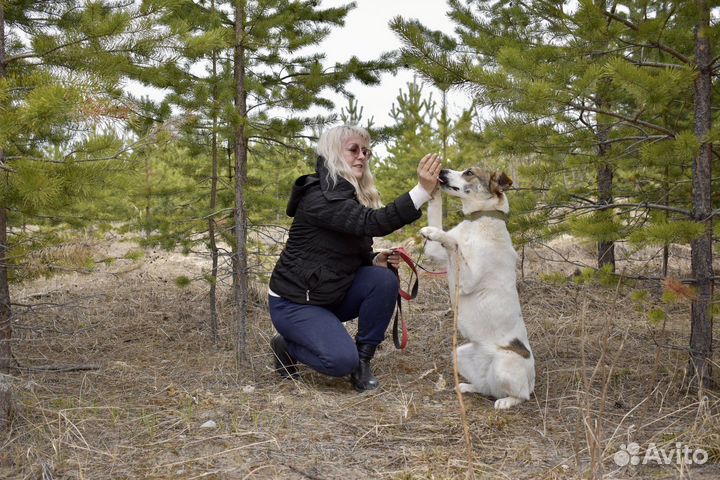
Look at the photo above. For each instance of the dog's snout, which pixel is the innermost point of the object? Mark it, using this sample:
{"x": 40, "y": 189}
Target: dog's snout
{"x": 443, "y": 175}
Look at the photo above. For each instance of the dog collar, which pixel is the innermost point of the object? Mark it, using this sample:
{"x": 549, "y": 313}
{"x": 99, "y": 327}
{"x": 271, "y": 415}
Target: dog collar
{"x": 487, "y": 213}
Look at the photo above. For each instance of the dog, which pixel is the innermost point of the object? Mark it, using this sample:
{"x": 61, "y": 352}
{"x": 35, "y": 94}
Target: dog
{"x": 497, "y": 362}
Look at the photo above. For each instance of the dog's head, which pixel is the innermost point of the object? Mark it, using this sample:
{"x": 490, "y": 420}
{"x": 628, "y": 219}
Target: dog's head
{"x": 478, "y": 189}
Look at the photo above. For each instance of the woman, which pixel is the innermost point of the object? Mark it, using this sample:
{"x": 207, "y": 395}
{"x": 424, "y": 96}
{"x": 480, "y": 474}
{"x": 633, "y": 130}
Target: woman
{"x": 327, "y": 273}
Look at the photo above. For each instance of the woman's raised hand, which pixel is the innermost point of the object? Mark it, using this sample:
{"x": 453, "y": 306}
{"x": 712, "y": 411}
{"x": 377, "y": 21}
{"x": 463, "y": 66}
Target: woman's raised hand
{"x": 429, "y": 171}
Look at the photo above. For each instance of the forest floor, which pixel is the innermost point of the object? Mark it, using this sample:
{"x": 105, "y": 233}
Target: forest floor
{"x": 121, "y": 380}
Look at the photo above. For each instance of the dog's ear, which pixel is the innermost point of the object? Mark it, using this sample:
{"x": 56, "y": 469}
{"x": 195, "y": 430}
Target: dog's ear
{"x": 499, "y": 183}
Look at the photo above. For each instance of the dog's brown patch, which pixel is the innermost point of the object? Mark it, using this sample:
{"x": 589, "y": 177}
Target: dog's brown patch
{"x": 517, "y": 346}
{"x": 494, "y": 182}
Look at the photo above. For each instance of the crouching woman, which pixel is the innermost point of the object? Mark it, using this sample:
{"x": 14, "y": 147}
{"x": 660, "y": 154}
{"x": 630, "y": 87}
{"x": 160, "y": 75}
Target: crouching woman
{"x": 328, "y": 273}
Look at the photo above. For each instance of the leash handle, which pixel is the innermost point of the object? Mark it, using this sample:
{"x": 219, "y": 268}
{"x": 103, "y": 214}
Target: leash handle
{"x": 399, "y": 322}
{"x": 413, "y": 266}
{"x": 400, "y": 342}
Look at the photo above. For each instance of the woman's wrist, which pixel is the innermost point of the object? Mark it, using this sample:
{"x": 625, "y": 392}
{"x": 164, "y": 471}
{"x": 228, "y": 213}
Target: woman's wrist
{"x": 419, "y": 196}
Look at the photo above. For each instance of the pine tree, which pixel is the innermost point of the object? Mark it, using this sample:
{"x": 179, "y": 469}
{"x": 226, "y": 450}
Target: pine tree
{"x": 512, "y": 74}
{"x": 262, "y": 78}
{"x": 352, "y": 114}
{"x": 6, "y": 396}
{"x": 702, "y": 254}
{"x": 60, "y": 65}
{"x": 422, "y": 126}
{"x": 269, "y": 38}
{"x": 240, "y": 273}
{"x": 413, "y": 134}
{"x": 677, "y": 40}
{"x": 598, "y": 97}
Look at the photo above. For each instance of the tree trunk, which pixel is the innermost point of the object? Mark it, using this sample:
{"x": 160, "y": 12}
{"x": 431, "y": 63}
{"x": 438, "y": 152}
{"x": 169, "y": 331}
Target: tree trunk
{"x": 148, "y": 196}
{"x": 606, "y": 248}
{"x": 7, "y": 404}
{"x": 445, "y": 137}
{"x": 666, "y": 202}
{"x": 5, "y": 313}
{"x": 214, "y": 330}
{"x": 229, "y": 150}
{"x": 702, "y": 268}
{"x": 240, "y": 277}
{"x": 6, "y": 394}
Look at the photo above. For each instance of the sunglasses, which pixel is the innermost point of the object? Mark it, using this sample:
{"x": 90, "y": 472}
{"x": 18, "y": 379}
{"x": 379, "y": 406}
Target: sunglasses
{"x": 356, "y": 150}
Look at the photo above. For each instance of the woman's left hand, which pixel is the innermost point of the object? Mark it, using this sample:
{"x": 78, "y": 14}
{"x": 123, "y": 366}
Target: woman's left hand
{"x": 386, "y": 257}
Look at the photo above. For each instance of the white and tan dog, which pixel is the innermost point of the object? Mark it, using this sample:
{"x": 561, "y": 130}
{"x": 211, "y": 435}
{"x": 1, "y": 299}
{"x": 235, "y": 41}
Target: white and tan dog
{"x": 497, "y": 362}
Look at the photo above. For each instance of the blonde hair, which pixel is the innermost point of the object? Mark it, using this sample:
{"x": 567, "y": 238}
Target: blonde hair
{"x": 330, "y": 147}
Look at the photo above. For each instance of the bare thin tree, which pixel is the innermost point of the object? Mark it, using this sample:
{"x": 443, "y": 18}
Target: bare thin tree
{"x": 240, "y": 277}
{"x": 214, "y": 252}
{"x": 702, "y": 256}
{"x": 6, "y": 396}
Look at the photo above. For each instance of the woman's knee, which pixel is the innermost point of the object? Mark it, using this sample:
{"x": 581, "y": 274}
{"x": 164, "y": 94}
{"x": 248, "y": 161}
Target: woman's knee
{"x": 386, "y": 279}
{"x": 341, "y": 363}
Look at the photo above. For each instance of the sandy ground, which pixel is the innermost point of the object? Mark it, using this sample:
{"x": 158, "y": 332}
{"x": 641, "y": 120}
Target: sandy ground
{"x": 148, "y": 395}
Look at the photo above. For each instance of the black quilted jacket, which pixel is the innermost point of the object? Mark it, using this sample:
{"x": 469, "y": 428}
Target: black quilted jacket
{"x": 330, "y": 238}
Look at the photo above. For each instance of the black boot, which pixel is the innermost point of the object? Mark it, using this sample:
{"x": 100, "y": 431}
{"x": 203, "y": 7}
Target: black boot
{"x": 284, "y": 364}
{"x": 362, "y": 378}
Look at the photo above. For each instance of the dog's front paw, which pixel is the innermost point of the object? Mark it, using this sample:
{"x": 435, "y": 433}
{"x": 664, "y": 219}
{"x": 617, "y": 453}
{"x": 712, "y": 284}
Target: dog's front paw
{"x": 431, "y": 233}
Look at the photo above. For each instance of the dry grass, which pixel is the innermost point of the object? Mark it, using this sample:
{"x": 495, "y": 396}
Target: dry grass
{"x": 601, "y": 382}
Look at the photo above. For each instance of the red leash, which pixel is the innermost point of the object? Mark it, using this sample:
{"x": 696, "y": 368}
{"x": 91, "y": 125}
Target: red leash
{"x": 401, "y": 343}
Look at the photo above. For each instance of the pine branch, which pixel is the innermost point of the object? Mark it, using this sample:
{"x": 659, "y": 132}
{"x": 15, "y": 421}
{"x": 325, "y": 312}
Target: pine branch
{"x": 212, "y": 214}
{"x": 57, "y": 218}
{"x": 713, "y": 213}
{"x": 614, "y": 16}
{"x": 636, "y": 138}
{"x": 87, "y": 38}
{"x": 277, "y": 141}
{"x": 658, "y": 45}
{"x": 635, "y": 121}
{"x": 563, "y": 258}
{"x": 113, "y": 156}
{"x": 592, "y": 205}
{"x": 655, "y": 64}
{"x": 27, "y": 55}
{"x": 645, "y": 205}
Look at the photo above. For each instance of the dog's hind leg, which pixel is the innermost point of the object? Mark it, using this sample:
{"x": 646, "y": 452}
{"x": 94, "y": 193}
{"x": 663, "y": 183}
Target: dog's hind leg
{"x": 468, "y": 388}
{"x": 509, "y": 381}
{"x": 472, "y": 367}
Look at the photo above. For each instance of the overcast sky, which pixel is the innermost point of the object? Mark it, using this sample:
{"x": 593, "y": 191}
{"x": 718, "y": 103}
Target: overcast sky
{"x": 366, "y": 34}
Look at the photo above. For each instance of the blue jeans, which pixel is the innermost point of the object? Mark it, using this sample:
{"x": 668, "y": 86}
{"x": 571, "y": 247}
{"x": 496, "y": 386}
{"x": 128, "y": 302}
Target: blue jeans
{"x": 316, "y": 336}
